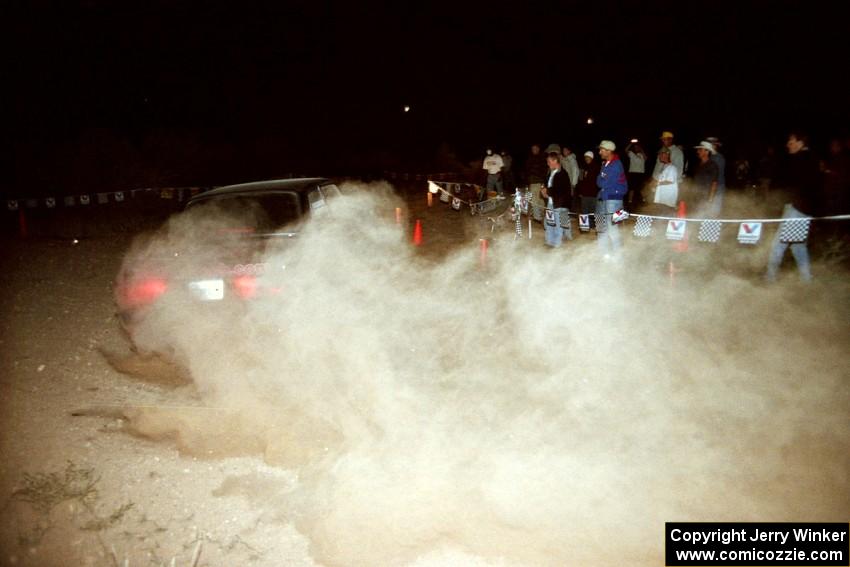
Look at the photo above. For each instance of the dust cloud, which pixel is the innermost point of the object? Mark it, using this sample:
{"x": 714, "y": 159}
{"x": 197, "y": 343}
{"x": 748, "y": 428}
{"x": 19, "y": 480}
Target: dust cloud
{"x": 548, "y": 410}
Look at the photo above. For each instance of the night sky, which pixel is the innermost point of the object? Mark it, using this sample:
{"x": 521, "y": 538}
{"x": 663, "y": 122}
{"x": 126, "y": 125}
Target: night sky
{"x": 269, "y": 86}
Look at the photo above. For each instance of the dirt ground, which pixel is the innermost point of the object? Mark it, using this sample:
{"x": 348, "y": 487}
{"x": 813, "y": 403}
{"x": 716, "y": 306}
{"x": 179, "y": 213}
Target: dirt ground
{"x": 79, "y": 485}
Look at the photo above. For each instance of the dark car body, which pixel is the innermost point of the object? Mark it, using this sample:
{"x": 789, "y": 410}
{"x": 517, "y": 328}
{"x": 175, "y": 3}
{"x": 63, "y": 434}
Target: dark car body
{"x": 222, "y": 235}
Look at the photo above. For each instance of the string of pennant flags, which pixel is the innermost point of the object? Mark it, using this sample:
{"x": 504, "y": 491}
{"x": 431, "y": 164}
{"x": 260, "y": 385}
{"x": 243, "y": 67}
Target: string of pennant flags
{"x": 104, "y": 198}
{"x": 749, "y": 230}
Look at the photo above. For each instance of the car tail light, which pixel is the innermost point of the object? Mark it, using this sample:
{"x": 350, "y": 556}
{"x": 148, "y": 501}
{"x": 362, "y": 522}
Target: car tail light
{"x": 145, "y": 291}
{"x": 245, "y": 286}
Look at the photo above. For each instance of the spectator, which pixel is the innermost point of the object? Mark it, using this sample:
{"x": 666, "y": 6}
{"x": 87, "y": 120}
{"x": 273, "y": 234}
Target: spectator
{"x": 705, "y": 176}
{"x": 612, "y": 189}
{"x": 667, "y": 182}
{"x": 569, "y": 163}
{"x": 535, "y": 173}
{"x": 800, "y": 176}
{"x": 493, "y": 164}
{"x": 677, "y": 157}
{"x": 557, "y": 183}
{"x": 637, "y": 171}
{"x": 586, "y": 187}
{"x": 720, "y": 161}
{"x": 507, "y": 171}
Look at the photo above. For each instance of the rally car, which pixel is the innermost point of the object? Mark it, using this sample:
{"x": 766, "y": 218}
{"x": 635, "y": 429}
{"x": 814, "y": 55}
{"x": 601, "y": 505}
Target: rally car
{"x": 213, "y": 252}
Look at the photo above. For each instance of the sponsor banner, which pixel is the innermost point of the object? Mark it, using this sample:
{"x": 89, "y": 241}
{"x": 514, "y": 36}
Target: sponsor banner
{"x": 749, "y": 232}
{"x": 676, "y": 229}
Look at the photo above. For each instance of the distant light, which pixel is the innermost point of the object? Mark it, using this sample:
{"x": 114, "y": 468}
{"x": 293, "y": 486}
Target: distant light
{"x": 75, "y": 241}
{"x": 406, "y": 108}
{"x": 634, "y": 140}
{"x": 590, "y": 120}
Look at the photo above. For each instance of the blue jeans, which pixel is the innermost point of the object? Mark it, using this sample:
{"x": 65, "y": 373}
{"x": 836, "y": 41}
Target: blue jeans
{"x": 494, "y": 181}
{"x": 799, "y": 250}
{"x": 608, "y": 233}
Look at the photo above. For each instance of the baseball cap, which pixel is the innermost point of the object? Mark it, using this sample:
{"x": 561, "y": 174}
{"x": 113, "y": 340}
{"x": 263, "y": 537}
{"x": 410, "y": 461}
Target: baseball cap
{"x": 608, "y": 145}
{"x": 666, "y": 134}
{"x": 588, "y": 154}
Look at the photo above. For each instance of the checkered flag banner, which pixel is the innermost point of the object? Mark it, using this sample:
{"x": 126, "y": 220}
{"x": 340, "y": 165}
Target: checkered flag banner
{"x": 537, "y": 212}
{"x": 796, "y": 230}
{"x": 709, "y": 231}
{"x": 643, "y": 227}
{"x": 601, "y": 225}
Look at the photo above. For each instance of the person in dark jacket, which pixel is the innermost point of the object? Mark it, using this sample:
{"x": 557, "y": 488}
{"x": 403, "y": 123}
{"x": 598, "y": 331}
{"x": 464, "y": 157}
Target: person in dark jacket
{"x": 557, "y": 183}
{"x": 535, "y": 173}
{"x": 800, "y": 177}
{"x": 586, "y": 187}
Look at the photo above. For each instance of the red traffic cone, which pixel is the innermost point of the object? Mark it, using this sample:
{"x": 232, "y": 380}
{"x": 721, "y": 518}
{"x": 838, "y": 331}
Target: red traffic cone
{"x": 417, "y": 233}
{"x": 682, "y": 245}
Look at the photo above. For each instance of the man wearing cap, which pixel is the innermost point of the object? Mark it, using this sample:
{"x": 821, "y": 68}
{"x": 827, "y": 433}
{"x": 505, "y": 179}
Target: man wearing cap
{"x": 677, "y": 158}
{"x": 706, "y": 174}
{"x": 612, "y": 189}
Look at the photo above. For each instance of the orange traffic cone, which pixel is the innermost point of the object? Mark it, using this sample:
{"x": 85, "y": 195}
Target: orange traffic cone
{"x": 483, "y": 259}
{"x": 682, "y": 245}
{"x": 398, "y": 215}
{"x": 417, "y": 233}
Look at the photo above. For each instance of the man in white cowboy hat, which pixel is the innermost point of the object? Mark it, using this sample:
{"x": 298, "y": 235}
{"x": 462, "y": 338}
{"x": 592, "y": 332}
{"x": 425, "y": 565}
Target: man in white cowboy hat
{"x": 706, "y": 174}
{"x": 612, "y": 189}
{"x": 718, "y": 158}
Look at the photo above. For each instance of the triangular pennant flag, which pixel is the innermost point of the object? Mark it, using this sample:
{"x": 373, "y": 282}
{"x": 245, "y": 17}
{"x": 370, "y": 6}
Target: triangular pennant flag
{"x": 102, "y": 198}
{"x": 584, "y": 223}
{"x": 643, "y": 227}
{"x": 796, "y": 230}
{"x": 84, "y": 199}
{"x": 31, "y": 203}
{"x": 119, "y": 196}
{"x": 50, "y": 202}
{"x": 709, "y": 231}
{"x": 12, "y": 205}
{"x": 676, "y": 229}
{"x": 456, "y": 204}
{"x": 749, "y": 232}
{"x": 69, "y": 201}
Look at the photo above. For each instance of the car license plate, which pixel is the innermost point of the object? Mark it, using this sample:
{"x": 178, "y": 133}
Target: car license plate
{"x": 208, "y": 290}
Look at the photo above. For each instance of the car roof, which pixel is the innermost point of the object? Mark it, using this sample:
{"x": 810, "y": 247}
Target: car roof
{"x": 299, "y": 185}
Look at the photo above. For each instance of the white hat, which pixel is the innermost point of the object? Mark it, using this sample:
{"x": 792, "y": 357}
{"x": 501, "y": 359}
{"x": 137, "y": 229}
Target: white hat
{"x": 608, "y": 145}
{"x": 588, "y": 154}
{"x": 706, "y": 146}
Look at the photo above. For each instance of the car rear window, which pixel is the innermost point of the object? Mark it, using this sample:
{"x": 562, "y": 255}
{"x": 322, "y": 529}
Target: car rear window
{"x": 254, "y": 213}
